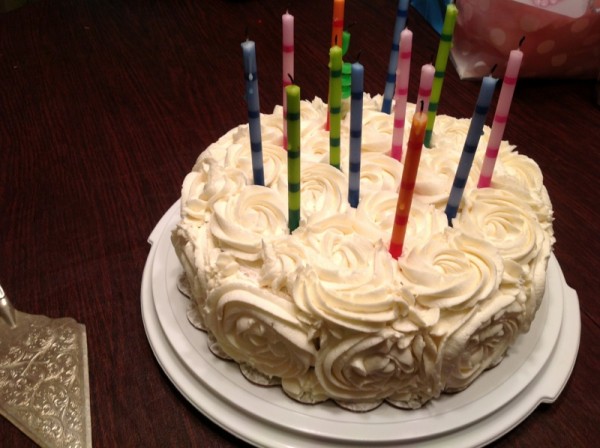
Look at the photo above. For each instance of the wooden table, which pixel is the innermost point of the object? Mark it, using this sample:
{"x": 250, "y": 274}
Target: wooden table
{"x": 105, "y": 107}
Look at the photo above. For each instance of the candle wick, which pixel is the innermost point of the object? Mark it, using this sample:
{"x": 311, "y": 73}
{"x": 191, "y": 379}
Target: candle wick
{"x": 493, "y": 69}
{"x": 422, "y": 105}
{"x": 335, "y": 41}
{"x": 247, "y": 32}
{"x": 291, "y": 78}
{"x": 358, "y": 55}
{"x": 521, "y": 42}
{"x": 350, "y": 26}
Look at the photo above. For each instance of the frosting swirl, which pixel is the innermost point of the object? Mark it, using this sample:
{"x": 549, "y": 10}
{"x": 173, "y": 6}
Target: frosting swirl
{"x": 359, "y": 367}
{"x": 479, "y": 340}
{"x": 503, "y": 219}
{"x": 241, "y": 222}
{"x": 349, "y": 282}
{"x": 260, "y": 329}
{"x": 451, "y": 271}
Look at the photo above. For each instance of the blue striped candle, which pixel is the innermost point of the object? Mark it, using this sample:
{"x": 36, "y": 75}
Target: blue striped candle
{"x": 482, "y": 106}
{"x": 251, "y": 76}
{"x": 356, "y": 112}
{"x": 388, "y": 93}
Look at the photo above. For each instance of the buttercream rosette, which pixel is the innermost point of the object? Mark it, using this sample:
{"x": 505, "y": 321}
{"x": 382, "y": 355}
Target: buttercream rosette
{"x": 240, "y": 223}
{"x": 349, "y": 281}
{"x": 258, "y": 328}
{"x": 451, "y": 270}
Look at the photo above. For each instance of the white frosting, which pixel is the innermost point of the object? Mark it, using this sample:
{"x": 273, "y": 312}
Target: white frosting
{"x": 326, "y": 310}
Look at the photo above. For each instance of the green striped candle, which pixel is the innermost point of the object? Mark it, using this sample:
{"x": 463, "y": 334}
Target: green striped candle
{"x": 335, "y": 104}
{"x": 441, "y": 60}
{"x": 292, "y": 93}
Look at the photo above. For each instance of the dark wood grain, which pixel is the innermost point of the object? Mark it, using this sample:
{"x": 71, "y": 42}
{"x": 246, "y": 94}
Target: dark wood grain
{"x": 106, "y": 105}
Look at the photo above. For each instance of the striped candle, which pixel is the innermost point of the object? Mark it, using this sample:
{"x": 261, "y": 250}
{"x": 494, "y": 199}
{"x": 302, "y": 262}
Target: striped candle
{"x": 407, "y": 185}
{"x": 346, "y": 67}
{"x": 482, "y": 106}
{"x": 402, "y": 75}
{"x": 427, "y": 72}
{"x": 441, "y": 60}
{"x": 500, "y": 118}
{"x": 337, "y": 39}
{"x": 356, "y": 111}
{"x": 335, "y": 104}
{"x": 337, "y": 25}
{"x": 388, "y": 93}
{"x": 293, "y": 122}
{"x": 251, "y": 75}
{"x": 287, "y": 21}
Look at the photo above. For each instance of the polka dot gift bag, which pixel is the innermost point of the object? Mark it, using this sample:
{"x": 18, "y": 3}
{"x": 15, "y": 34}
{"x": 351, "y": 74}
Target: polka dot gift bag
{"x": 562, "y": 37}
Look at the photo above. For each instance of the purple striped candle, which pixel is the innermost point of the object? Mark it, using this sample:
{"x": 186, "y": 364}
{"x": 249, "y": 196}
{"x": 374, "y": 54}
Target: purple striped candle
{"x": 402, "y": 75}
{"x": 500, "y": 118}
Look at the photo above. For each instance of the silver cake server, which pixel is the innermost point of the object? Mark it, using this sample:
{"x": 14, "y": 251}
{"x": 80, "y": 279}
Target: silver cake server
{"x": 44, "y": 382}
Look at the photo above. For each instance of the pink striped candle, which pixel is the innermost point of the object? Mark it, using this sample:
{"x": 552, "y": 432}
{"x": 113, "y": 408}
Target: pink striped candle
{"x": 500, "y": 117}
{"x": 402, "y": 75}
{"x": 287, "y": 21}
{"x": 427, "y": 72}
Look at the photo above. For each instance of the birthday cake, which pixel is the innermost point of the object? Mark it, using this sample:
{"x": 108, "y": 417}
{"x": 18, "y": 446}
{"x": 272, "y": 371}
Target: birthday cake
{"x": 325, "y": 311}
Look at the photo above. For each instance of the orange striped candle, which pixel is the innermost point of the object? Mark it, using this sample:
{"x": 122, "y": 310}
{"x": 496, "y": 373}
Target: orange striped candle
{"x": 337, "y": 25}
{"x": 407, "y": 185}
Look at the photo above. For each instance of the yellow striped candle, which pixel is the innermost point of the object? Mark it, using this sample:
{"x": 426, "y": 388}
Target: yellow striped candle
{"x": 335, "y": 104}
{"x": 292, "y": 93}
{"x": 441, "y": 60}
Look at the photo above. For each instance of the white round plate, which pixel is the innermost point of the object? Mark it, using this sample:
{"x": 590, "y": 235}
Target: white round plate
{"x": 534, "y": 371}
